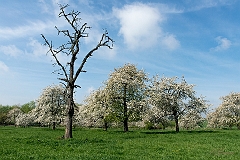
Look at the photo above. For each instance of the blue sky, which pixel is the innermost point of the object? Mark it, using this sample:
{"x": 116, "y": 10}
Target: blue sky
{"x": 199, "y": 40}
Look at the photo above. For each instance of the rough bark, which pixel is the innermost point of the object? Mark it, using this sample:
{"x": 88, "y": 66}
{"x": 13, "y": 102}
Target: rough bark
{"x": 70, "y": 113}
{"x": 176, "y": 120}
{"x": 68, "y": 129}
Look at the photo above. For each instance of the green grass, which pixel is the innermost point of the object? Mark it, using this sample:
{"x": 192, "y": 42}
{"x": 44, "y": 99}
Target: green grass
{"x": 44, "y": 143}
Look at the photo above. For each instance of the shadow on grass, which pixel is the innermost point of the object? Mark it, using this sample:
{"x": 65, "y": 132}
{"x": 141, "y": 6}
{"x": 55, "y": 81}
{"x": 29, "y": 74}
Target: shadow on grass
{"x": 174, "y": 132}
{"x": 119, "y": 132}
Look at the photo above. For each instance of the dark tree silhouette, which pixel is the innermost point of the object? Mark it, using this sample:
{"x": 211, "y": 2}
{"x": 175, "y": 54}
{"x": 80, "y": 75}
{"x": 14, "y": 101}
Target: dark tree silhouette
{"x": 71, "y": 48}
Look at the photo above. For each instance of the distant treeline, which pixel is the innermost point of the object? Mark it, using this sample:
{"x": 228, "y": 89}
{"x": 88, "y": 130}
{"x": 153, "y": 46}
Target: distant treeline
{"x": 5, "y": 109}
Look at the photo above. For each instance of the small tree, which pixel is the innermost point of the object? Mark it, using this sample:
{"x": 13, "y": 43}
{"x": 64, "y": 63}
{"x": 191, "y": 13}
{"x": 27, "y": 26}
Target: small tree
{"x": 51, "y": 106}
{"x": 24, "y": 120}
{"x": 125, "y": 90}
{"x": 154, "y": 117}
{"x": 71, "y": 48}
{"x": 228, "y": 113}
{"x": 175, "y": 98}
{"x": 13, "y": 114}
{"x": 213, "y": 119}
{"x": 4, "y": 118}
{"x": 191, "y": 120}
{"x": 95, "y": 111}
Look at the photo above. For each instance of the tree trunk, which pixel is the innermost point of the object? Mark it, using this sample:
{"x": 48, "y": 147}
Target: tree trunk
{"x": 176, "y": 121}
{"x": 125, "y": 115}
{"x": 68, "y": 129}
{"x": 105, "y": 125}
{"x": 54, "y": 125}
{"x": 70, "y": 113}
{"x": 125, "y": 124}
{"x": 238, "y": 126}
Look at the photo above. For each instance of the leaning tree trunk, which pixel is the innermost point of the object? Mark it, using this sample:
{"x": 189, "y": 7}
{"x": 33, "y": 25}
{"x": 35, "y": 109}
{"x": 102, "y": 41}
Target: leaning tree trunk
{"x": 70, "y": 113}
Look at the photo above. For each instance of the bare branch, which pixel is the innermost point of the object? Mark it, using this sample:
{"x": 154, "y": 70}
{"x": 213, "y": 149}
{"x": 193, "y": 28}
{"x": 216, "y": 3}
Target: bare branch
{"x": 73, "y": 21}
{"x": 72, "y": 48}
{"x": 54, "y": 54}
{"x": 105, "y": 40}
{"x": 77, "y": 86}
{"x": 63, "y": 79}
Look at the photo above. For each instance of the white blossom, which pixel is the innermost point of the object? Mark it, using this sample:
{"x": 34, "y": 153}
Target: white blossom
{"x": 51, "y": 106}
{"x": 227, "y": 114}
{"x": 174, "y": 98}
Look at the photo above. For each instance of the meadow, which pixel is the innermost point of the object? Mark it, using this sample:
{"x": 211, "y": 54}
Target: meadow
{"x": 44, "y": 143}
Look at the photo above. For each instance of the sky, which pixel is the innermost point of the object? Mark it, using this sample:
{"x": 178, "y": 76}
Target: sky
{"x": 199, "y": 40}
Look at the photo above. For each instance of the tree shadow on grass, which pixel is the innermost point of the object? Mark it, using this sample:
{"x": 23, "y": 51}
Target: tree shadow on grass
{"x": 181, "y": 132}
{"x": 120, "y": 132}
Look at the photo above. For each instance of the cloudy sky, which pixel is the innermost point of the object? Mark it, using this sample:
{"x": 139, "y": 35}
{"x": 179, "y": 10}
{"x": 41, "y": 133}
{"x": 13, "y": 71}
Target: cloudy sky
{"x": 199, "y": 40}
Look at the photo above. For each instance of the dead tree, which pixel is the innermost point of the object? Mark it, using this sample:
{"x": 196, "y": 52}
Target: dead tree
{"x": 71, "y": 48}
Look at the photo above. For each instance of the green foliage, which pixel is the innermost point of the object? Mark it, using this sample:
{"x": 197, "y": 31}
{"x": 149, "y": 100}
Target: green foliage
{"x": 171, "y": 124}
{"x": 28, "y": 106}
{"x": 87, "y": 144}
{"x": 149, "y": 125}
{"x": 3, "y": 118}
{"x": 3, "y": 113}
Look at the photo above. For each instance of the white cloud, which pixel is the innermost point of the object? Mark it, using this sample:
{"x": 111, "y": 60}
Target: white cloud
{"x": 40, "y": 52}
{"x": 52, "y": 8}
{"x": 202, "y": 4}
{"x": 3, "y": 67}
{"x": 37, "y": 48}
{"x": 32, "y": 28}
{"x": 223, "y": 43}
{"x": 139, "y": 24}
{"x": 170, "y": 42}
{"x": 11, "y": 50}
{"x": 106, "y": 53}
{"x": 44, "y": 6}
{"x": 164, "y": 8}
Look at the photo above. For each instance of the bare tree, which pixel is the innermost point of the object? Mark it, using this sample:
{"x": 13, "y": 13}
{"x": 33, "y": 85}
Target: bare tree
{"x": 71, "y": 48}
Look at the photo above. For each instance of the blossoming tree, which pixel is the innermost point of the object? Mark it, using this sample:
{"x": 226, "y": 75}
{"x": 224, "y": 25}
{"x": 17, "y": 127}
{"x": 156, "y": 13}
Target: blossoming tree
{"x": 50, "y": 106}
{"x": 125, "y": 90}
{"x": 228, "y": 113}
{"x": 155, "y": 116}
{"x": 175, "y": 98}
{"x": 191, "y": 120}
{"x": 13, "y": 115}
{"x": 95, "y": 112}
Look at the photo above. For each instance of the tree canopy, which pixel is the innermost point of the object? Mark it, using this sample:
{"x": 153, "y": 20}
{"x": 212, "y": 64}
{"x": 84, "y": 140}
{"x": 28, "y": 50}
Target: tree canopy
{"x": 227, "y": 114}
{"x": 51, "y": 106}
{"x": 175, "y": 98}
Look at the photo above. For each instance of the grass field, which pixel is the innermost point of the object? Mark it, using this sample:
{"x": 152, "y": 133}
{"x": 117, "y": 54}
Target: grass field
{"x": 44, "y": 143}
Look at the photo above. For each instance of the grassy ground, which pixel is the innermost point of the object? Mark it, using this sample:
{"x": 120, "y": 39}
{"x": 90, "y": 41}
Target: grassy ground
{"x": 44, "y": 143}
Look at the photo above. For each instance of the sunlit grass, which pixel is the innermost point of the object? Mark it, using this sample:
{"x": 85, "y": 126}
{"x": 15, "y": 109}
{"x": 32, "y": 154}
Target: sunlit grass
{"x": 44, "y": 143}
